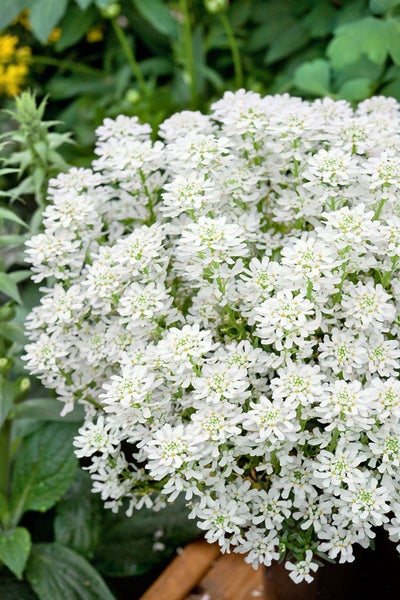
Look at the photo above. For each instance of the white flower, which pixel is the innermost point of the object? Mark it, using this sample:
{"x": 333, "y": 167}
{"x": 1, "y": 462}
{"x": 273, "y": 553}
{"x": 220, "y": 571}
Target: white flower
{"x": 302, "y": 570}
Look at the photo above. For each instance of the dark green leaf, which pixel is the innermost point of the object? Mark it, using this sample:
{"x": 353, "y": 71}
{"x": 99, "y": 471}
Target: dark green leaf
{"x": 393, "y": 26}
{"x": 44, "y": 16}
{"x": 8, "y": 215}
{"x": 11, "y": 9}
{"x": 314, "y": 77}
{"x": 126, "y": 544}
{"x": 9, "y": 288}
{"x": 158, "y": 15}
{"x": 291, "y": 40}
{"x": 46, "y": 409}
{"x": 379, "y": 7}
{"x": 62, "y": 88}
{"x": 78, "y": 518}
{"x": 74, "y": 26}
{"x": 15, "y": 546}
{"x": 44, "y": 467}
{"x": 7, "y": 395}
{"x": 58, "y": 573}
{"x": 12, "y": 589}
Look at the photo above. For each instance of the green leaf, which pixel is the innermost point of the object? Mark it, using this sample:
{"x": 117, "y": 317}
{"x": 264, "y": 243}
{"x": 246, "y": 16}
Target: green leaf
{"x": 15, "y": 546}
{"x": 75, "y": 24}
{"x": 9, "y": 288}
{"x": 10, "y": 9}
{"x": 8, "y": 215}
{"x": 57, "y": 572}
{"x": 126, "y": 544}
{"x": 11, "y": 240}
{"x": 314, "y": 77}
{"x": 356, "y": 89}
{"x": 7, "y": 395}
{"x": 394, "y": 39}
{"x": 13, "y": 333}
{"x": 290, "y": 40}
{"x": 20, "y": 275}
{"x": 378, "y": 7}
{"x": 46, "y": 409}
{"x": 44, "y": 16}
{"x": 78, "y": 516}
{"x": 157, "y": 14}
{"x": 44, "y": 467}
{"x": 367, "y": 36}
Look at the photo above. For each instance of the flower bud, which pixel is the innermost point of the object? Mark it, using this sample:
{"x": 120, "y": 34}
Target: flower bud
{"x": 132, "y": 96}
{"x": 111, "y": 11}
{"x": 7, "y": 312}
{"x": 24, "y": 385}
{"x": 215, "y": 7}
{"x": 5, "y": 365}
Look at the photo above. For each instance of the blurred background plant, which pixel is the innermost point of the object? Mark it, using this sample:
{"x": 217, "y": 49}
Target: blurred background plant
{"x": 98, "y": 58}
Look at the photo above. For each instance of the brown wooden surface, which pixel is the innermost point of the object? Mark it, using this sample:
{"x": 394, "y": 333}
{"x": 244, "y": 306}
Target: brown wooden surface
{"x": 184, "y": 572}
{"x": 200, "y": 572}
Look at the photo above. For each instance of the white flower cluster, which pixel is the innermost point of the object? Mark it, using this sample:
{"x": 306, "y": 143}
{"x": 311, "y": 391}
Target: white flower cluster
{"x": 224, "y": 303}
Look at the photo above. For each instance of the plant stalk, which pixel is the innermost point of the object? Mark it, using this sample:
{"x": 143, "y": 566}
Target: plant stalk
{"x": 129, "y": 55}
{"x": 237, "y": 63}
{"x": 188, "y": 46}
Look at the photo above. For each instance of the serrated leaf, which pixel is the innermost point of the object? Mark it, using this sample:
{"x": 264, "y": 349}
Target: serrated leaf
{"x": 314, "y": 77}
{"x": 10, "y": 9}
{"x": 355, "y": 89}
{"x": 44, "y": 467}
{"x": 8, "y": 215}
{"x": 44, "y": 16}
{"x": 78, "y": 516}
{"x": 157, "y": 14}
{"x": 9, "y": 288}
{"x": 57, "y": 572}
{"x": 15, "y": 546}
{"x": 126, "y": 544}
{"x": 367, "y": 36}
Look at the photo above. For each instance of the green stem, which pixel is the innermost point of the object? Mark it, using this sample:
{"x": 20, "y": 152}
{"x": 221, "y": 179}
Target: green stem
{"x": 126, "y": 47}
{"x": 66, "y": 64}
{"x": 5, "y": 442}
{"x": 188, "y": 46}
{"x": 237, "y": 63}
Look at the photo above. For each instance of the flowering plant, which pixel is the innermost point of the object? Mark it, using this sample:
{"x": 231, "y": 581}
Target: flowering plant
{"x": 223, "y": 304}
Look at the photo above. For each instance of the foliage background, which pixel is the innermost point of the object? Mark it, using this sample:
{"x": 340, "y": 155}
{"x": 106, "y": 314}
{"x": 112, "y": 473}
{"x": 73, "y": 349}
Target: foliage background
{"x": 150, "y": 58}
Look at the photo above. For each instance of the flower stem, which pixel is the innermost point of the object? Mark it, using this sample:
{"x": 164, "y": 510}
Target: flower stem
{"x": 66, "y": 64}
{"x": 129, "y": 55}
{"x": 5, "y": 436}
{"x": 237, "y": 63}
{"x": 188, "y": 47}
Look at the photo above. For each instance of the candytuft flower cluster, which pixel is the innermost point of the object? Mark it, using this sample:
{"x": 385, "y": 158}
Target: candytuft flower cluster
{"x": 224, "y": 304}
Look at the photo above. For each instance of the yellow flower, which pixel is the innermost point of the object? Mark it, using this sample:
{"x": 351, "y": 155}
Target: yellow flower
{"x": 13, "y": 64}
{"x": 12, "y": 78}
{"x": 7, "y": 47}
{"x": 95, "y": 34}
{"x": 23, "y": 19}
{"x": 54, "y": 35}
